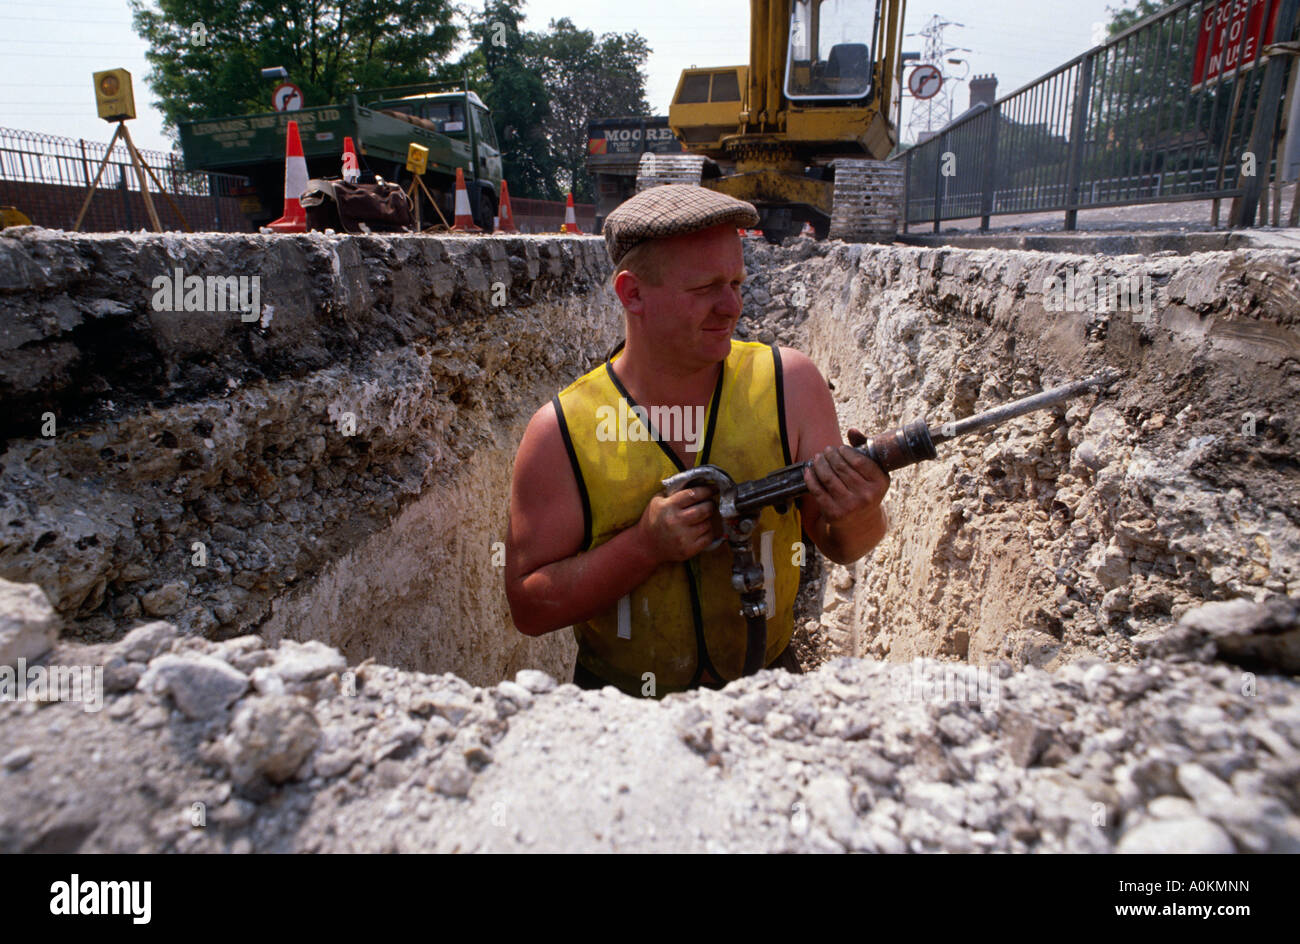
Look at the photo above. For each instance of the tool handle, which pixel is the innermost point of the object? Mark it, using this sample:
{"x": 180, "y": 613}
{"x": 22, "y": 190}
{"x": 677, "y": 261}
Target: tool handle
{"x": 907, "y": 445}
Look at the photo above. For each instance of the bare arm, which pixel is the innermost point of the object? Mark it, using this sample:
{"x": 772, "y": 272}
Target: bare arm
{"x": 843, "y": 512}
{"x": 550, "y": 583}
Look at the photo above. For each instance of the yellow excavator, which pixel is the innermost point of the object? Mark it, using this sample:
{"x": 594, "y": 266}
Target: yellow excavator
{"x": 803, "y": 130}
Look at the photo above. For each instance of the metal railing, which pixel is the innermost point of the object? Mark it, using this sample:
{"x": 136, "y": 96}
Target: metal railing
{"x": 1183, "y": 105}
{"x": 41, "y": 174}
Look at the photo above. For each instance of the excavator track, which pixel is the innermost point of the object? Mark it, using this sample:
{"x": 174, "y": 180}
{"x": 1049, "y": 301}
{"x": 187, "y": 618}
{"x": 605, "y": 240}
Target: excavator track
{"x": 867, "y": 201}
{"x": 657, "y": 169}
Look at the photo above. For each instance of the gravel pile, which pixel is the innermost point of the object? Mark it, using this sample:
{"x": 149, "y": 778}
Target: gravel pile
{"x": 237, "y": 746}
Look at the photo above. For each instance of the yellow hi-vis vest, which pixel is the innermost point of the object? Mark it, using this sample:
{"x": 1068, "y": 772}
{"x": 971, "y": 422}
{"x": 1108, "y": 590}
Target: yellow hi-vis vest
{"x": 686, "y": 617}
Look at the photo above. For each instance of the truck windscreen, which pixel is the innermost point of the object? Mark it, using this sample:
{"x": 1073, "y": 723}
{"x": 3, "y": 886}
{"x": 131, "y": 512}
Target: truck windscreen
{"x": 445, "y": 117}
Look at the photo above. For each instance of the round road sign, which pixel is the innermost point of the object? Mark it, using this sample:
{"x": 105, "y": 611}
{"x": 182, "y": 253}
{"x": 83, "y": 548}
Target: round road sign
{"x": 925, "y": 81}
{"x": 286, "y": 97}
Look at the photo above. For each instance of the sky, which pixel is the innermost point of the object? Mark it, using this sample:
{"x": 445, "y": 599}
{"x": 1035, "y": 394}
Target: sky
{"x": 48, "y": 50}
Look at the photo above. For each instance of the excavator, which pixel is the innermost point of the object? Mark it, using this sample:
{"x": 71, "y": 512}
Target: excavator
{"x": 802, "y": 131}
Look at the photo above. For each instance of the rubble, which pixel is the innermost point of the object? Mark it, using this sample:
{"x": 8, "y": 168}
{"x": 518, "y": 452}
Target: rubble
{"x": 1089, "y": 615}
{"x": 857, "y": 756}
{"x": 29, "y": 626}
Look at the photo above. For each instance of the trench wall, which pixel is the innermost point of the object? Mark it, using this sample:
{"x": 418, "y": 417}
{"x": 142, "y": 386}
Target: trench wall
{"x": 335, "y": 469}
{"x": 1084, "y": 529}
{"x": 1078, "y": 530}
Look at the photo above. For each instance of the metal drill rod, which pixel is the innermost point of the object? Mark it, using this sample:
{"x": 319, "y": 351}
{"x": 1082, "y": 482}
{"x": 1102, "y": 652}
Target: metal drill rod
{"x": 740, "y": 502}
{"x": 1000, "y": 414}
{"x": 908, "y": 444}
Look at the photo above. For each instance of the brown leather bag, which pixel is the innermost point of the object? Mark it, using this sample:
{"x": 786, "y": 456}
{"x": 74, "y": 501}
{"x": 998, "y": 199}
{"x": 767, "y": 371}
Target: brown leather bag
{"x": 381, "y": 207}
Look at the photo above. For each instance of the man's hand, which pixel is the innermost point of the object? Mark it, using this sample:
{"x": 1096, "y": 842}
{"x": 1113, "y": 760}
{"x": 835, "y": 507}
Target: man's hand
{"x": 848, "y": 486}
{"x": 679, "y": 526}
{"x": 847, "y": 516}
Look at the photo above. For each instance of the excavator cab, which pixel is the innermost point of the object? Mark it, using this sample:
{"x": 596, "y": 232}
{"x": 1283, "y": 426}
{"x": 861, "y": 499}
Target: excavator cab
{"x": 803, "y": 130}
{"x": 829, "y": 55}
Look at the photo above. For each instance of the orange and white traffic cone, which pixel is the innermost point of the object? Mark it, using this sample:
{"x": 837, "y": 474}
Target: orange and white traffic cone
{"x": 351, "y": 168}
{"x": 464, "y": 222}
{"x": 295, "y": 182}
{"x": 505, "y": 215}
{"x": 570, "y": 218}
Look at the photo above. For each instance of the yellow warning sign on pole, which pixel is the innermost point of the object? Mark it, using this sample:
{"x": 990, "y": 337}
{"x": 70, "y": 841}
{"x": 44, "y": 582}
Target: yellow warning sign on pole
{"x": 113, "y": 95}
{"x": 417, "y": 158}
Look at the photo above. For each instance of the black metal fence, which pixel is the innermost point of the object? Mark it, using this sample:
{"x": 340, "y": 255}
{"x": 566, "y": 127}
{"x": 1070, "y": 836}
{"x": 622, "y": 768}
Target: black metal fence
{"x": 46, "y": 177}
{"x": 1184, "y": 105}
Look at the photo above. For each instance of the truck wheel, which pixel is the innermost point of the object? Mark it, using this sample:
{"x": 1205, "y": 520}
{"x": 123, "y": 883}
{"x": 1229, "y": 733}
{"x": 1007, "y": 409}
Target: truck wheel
{"x": 486, "y": 210}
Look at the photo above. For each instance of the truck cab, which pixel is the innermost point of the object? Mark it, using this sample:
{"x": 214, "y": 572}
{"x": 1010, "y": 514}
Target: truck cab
{"x": 444, "y": 113}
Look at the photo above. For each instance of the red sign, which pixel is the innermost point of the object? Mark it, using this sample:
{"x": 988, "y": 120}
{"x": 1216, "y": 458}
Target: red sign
{"x": 286, "y": 97}
{"x": 925, "y": 81}
{"x": 1230, "y": 35}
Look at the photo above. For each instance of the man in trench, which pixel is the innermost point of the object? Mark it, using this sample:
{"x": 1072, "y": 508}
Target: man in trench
{"x": 594, "y": 543}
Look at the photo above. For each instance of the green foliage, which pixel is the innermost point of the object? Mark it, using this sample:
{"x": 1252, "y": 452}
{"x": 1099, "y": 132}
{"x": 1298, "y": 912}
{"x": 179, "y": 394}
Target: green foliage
{"x": 1121, "y": 18}
{"x": 587, "y": 77}
{"x": 329, "y": 47}
{"x": 500, "y": 67}
{"x": 543, "y": 88}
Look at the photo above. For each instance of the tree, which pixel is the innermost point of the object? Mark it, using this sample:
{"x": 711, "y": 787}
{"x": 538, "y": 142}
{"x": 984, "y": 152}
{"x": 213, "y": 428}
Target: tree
{"x": 513, "y": 90}
{"x": 587, "y": 78}
{"x": 1121, "y": 18}
{"x": 543, "y": 88}
{"x": 207, "y": 55}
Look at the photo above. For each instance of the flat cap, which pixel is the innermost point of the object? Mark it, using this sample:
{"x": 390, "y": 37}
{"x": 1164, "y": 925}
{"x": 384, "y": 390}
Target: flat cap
{"x": 672, "y": 210}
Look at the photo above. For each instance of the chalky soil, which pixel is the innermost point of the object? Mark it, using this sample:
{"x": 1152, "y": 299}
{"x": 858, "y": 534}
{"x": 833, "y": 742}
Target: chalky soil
{"x": 1079, "y": 635}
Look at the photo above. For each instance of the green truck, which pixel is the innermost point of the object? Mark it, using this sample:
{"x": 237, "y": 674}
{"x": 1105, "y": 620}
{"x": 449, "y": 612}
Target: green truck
{"x": 382, "y": 123}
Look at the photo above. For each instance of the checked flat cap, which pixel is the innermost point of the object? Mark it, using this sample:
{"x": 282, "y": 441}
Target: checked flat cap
{"x": 672, "y": 210}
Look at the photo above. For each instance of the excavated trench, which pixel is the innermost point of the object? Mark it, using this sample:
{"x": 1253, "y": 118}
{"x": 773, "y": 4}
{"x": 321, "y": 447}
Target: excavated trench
{"x": 336, "y": 466}
{"x": 206, "y": 504}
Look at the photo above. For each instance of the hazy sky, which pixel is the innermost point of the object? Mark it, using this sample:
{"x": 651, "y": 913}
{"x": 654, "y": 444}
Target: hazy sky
{"x": 49, "y": 49}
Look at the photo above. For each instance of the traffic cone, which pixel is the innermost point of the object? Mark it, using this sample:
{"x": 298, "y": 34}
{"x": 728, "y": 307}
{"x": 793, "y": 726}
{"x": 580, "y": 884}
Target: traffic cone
{"x": 570, "y": 218}
{"x": 506, "y": 218}
{"x": 464, "y": 222}
{"x": 295, "y": 182}
{"x": 351, "y": 168}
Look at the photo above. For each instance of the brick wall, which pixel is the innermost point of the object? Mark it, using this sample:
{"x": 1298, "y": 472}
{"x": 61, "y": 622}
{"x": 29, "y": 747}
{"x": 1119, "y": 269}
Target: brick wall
{"x": 55, "y": 206}
{"x": 547, "y": 216}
